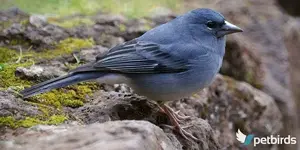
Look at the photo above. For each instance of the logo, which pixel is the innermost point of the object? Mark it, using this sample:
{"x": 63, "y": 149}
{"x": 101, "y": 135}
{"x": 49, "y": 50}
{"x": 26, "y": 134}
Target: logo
{"x": 246, "y": 140}
{"x": 272, "y": 139}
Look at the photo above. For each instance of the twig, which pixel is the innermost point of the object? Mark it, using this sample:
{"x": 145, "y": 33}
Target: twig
{"x": 76, "y": 58}
{"x": 20, "y": 57}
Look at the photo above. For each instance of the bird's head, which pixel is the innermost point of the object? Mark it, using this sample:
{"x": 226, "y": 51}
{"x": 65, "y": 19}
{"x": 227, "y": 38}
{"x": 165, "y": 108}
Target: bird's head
{"x": 212, "y": 22}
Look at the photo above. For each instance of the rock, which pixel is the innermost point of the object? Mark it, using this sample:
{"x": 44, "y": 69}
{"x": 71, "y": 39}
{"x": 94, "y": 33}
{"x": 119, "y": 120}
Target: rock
{"x": 292, "y": 40}
{"x": 135, "y": 28}
{"x": 16, "y": 107}
{"x": 108, "y": 19}
{"x": 242, "y": 64}
{"x": 38, "y": 20}
{"x": 108, "y": 40}
{"x": 229, "y": 105}
{"x": 113, "y": 135}
{"x": 89, "y": 55}
{"x": 106, "y": 106}
{"x": 13, "y": 109}
{"x": 263, "y": 42}
{"x": 216, "y": 113}
{"x": 12, "y": 14}
{"x": 54, "y": 68}
{"x": 290, "y": 6}
{"x": 39, "y": 73}
{"x": 39, "y": 37}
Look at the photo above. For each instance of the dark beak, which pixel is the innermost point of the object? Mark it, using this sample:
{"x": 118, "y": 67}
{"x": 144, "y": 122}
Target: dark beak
{"x": 228, "y": 28}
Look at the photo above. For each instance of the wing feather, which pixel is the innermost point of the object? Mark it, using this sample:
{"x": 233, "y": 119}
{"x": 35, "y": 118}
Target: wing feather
{"x": 140, "y": 57}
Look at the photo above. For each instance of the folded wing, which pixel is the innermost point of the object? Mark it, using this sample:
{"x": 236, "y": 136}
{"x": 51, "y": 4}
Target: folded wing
{"x": 140, "y": 57}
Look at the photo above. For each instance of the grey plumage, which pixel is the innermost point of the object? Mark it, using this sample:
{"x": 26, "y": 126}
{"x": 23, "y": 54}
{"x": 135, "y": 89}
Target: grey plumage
{"x": 168, "y": 62}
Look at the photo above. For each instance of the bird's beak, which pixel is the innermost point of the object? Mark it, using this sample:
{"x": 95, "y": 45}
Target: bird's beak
{"x": 228, "y": 28}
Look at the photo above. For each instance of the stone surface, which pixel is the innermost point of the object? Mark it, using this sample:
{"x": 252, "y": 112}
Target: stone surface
{"x": 292, "y": 41}
{"x": 290, "y": 6}
{"x": 10, "y": 105}
{"x": 227, "y": 105}
{"x": 112, "y": 135}
{"x": 216, "y": 113}
{"x": 263, "y": 41}
{"x": 41, "y": 73}
{"x": 88, "y": 55}
{"x": 106, "y": 106}
{"x": 264, "y": 26}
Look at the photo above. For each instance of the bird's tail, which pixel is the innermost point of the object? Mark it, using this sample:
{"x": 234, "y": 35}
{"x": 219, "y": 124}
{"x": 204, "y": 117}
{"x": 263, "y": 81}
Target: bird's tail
{"x": 59, "y": 82}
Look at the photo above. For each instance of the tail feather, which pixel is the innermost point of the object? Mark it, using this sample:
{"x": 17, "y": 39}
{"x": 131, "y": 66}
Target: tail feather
{"x": 59, "y": 82}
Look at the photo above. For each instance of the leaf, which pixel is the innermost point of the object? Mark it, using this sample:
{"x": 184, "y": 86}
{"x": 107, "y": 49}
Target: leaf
{"x": 1, "y": 67}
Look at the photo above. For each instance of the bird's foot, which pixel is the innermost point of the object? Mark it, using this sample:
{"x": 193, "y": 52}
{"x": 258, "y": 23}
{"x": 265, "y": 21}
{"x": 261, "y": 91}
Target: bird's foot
{"x": 176, "y": 114}
{"x": 175, "y": 118}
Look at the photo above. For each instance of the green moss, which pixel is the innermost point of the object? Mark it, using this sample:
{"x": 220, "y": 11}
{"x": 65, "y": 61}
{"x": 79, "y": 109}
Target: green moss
{"x": 7, "y": 54}
{"x": 138, "y": 8}
{"x": 122, "y": 27}
{"x": 8, "y": 68}
{"x": 17, "y": 42}
{"x": 49, "y": 103}
{"x": 29, "y": 121}
{"x": 71, "y": 96}
{"x": 232, "y": 87}
{"x": 131, "y": 8}
{"x": 72, "y": 103}
{"x": 66, "y": 47}
{"x": 8, "y": 121}
{"x": 1, "y": 67}
{"x": 56, "y": 119}
{"x": 253, "y": 79}
{"x": 148, "y": 26}
{"x": 25, "y": 22}
{"x": 8, "y": 77}
{"x": 69, "y": 23}
{"x": 231, "y": 84}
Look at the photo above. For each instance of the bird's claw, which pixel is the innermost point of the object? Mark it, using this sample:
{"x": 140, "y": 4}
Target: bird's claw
{"x": 176, "y": 114}
{"x": 181, "y": 117}
{"x": 176, "y": 118}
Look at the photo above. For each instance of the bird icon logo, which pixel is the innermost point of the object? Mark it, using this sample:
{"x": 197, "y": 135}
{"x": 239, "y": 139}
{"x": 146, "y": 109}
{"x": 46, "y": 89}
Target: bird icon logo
{"x": 241, "y": 137}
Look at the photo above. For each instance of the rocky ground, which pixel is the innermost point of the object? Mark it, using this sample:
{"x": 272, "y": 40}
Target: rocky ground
{"x": 252, "y": 94}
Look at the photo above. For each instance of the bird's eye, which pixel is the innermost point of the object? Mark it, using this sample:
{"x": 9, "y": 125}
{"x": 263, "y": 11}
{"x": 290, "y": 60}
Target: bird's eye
{"x": 211, "y": 24}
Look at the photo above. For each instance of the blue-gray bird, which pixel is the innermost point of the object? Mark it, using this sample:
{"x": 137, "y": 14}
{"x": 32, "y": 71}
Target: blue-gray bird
{"x": 167, "y": 63}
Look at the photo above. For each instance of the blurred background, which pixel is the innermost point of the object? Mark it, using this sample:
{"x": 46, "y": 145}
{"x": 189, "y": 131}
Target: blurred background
{"x": 265, "y": 56}
{"x": 129, "y": 8}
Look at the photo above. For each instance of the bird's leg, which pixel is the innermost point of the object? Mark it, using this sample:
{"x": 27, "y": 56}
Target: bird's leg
{"x": 176, "y": 113}
{"x": 175, "y": 122}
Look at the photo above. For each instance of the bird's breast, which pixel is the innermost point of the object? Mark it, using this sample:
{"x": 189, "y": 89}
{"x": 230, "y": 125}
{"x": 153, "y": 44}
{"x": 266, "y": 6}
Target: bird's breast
{"x": 172, "y": 86}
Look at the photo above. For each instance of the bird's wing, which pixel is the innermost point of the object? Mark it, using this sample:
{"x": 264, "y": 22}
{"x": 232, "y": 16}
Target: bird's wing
{"x": 139, "y": 57}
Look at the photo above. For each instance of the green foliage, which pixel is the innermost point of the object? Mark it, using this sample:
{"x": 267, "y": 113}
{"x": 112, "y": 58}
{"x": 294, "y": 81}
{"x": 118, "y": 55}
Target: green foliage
{"x": 29, "y": 121}
{"x": 7, "y": 54}
{"x": 8, "y": 77}
{"x": 69, "y": 23}
{"x": 130, "y": 8}
{"x": 8, "y": 121}
{"x": 66, "y": 47}
{"x": 72, "y": 96}
{"x": 138, "y": 8}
